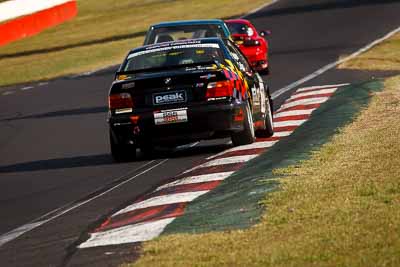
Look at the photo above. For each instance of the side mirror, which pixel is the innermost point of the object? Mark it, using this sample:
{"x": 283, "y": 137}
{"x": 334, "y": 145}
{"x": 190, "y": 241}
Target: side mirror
{"x": 265, "y": 33}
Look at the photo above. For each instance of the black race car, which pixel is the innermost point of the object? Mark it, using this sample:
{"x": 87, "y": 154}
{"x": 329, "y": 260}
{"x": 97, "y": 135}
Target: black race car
{"x": 173, "y": 93}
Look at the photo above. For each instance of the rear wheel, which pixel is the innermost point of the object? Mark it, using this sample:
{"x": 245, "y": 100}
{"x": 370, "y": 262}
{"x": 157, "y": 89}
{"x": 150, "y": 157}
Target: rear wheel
{"x": 121, "y": 152}
{"x": 147, "y": 150}
{"x": 264, "y": 71}
{"x": 268, "y": 129}
{"x": 247, "y": 136}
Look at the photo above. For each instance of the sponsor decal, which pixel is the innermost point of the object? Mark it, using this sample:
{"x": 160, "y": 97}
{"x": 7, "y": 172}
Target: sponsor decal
{"x": 199, "y": 85}
{"x": 169, "y": 98}
{"x": 170, "y": 116}
{"x": 209, "y": 76}
{"x": 175, "y": 46}
{"x": 128, "y": 85}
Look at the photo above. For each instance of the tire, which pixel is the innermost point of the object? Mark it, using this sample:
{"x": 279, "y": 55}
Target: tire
{"x": 247, "y": 136}
{"x": 121, "y": 152}
{"x": 264, "y": 71}
{"x": 268, "y": 129}
{"x": 147, "y": 150}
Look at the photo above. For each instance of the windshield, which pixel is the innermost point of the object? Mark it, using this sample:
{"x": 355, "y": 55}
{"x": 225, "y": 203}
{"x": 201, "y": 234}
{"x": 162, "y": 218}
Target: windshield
{"x": 174, "y": 33}
{"x": 239, "y": 28}
{"x": 171, "y": 56}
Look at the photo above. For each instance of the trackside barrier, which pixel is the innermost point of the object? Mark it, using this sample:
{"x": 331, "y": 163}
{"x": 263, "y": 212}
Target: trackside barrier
{"x": 34, "y": 23}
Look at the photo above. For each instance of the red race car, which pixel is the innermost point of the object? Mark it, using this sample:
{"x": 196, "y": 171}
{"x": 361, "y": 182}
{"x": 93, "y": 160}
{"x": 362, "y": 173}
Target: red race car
{"x": 252, "y": 44}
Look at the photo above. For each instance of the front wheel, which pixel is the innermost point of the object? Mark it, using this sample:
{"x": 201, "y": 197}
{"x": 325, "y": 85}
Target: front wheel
{"x": 147, "y": 149}
{"x": 247, "y": 136}
{"x": 264, "y": 71}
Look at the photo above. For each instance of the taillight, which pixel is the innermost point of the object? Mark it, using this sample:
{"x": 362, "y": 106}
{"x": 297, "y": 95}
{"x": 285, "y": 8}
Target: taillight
{"x": 120, "y": 101}
{"x": 219, "y": 89}
{"x": 251, "y": 42}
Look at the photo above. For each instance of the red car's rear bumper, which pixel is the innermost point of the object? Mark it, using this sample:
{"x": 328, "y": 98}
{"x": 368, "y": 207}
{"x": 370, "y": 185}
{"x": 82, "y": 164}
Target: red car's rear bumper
{"x": 256, "y": 56}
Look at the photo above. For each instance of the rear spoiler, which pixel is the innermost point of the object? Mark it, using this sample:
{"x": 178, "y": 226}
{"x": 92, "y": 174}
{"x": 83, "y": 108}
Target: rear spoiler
{"x": 169, "y": 67}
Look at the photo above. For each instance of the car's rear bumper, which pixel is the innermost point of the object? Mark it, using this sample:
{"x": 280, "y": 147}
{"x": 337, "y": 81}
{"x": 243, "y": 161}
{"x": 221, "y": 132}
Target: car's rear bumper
{"x": 254, "y": 53}
{"x": 203, "y": 122}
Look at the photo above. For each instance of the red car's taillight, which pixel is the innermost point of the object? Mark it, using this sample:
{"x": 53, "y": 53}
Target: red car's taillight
{"x": 251, "y": 42}
{"x": 120, "y": 101}
{"x": 219, "y": 89}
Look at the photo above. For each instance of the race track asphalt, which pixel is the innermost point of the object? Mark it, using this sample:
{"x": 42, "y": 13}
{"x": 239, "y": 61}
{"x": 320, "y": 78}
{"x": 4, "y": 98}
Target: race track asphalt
{"x": 54, "y": 139}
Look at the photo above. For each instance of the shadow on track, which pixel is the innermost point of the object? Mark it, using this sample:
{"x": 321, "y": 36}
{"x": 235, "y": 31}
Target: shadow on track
{"x": 323, "y": 49}
{"x": 61, "y": 113}
{"x": 105, "y": 159}
{"x": 58, "y": 163}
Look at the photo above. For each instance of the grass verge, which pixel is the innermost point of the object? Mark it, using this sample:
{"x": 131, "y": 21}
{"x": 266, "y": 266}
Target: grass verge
{"x": 341, "y": 207}
{"x": 101, "y": 35}
{"x": 385, "y": 56}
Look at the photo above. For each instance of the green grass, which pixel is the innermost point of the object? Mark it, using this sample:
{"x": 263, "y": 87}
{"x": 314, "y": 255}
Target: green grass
{"x": 101, "y": 35}
{"x": 385, "y": 56}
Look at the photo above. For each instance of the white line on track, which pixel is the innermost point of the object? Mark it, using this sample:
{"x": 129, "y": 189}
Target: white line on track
{"x": 26, "y": 88}
{"x": 332, "y": 65}
{"x": 293, "y": 113}
{"x": 4, "y": 238}
{"x": 162, "y": 200}
{"x": 197, "y": 179}
{"x": 19, "y": 231}
{"x": 8, "y": 93}
{"x": 127, "y": 234}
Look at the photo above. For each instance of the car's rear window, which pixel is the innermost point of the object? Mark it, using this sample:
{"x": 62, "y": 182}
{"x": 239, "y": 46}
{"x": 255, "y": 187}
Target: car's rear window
{"x": 173, "y": 55}
{"x": 239, "y": 28}
{"x": 174, "y": 33}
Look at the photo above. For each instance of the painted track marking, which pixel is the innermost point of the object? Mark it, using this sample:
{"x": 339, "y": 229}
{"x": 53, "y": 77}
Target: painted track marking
{"x": 197, "y": 179}
{"x": 263, "y": 144}
{"x": 293, "y": 113}
{"x": 127, "y": 234}
{"x": 289, "y": 123}
{"x": 309, "y": 101}
{"x": 319, "y": 92}
{"x": 26, "y": 88}
{"x": 8, "y": 93}
{"x": 162, "y": 200}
